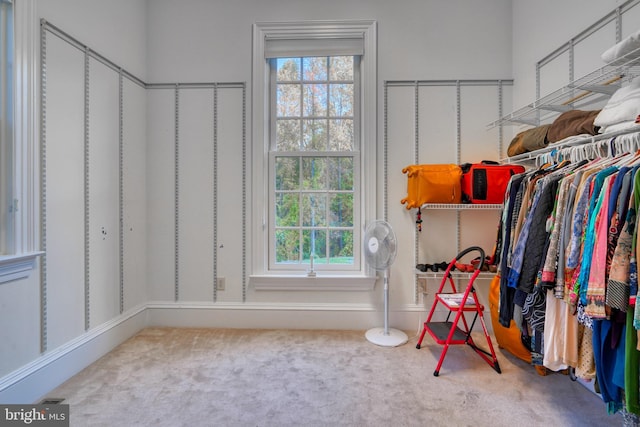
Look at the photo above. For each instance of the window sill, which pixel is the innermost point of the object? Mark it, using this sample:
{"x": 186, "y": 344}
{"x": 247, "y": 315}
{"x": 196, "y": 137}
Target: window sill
{"x": 317, "y": 283}
{"x": 14, "y": 267}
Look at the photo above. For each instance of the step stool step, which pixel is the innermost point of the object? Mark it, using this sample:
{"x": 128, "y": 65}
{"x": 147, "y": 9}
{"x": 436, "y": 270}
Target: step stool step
{"x": 439, "y": 331}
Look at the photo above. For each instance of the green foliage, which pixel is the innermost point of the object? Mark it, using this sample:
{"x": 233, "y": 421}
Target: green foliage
{"x": 314, "y": 194}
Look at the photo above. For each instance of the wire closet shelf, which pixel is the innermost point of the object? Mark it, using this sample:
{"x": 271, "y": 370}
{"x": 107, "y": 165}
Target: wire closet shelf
{"x": 596, "y": 86}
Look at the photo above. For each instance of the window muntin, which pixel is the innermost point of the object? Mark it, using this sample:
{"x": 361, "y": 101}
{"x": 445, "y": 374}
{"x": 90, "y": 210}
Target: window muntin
{"x": 314, "y": 163}
{"x": 6, "y": 127}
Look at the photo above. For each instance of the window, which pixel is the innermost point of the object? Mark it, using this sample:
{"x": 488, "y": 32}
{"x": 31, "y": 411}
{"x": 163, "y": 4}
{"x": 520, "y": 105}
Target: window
{"x": 313, "y": 163}
{"x": 6, "y": 127}
{"x": 314, "y": 129}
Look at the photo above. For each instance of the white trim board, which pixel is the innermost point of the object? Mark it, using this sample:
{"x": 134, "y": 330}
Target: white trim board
{"x": 267, "y": 315}
{"x": 34, "y": 380}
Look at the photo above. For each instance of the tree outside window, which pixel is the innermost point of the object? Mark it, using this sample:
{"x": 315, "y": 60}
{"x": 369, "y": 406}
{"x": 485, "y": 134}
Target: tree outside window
{"x": 313, "y": 149}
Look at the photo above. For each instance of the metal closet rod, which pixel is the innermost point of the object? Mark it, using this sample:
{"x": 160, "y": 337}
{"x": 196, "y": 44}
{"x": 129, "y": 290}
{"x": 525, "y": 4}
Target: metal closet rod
{"x": 115, "y": 67}
{"x": 461, "y": 82}
{"x": 532, "y": 155}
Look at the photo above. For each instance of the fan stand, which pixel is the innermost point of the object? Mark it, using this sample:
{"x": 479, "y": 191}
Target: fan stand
{"x": 386, "y": 337}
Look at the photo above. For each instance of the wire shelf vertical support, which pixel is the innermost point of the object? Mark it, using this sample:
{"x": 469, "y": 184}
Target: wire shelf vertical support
{"x": 215, "y": 192}
{"x": 176, "y": 186}
{"x": 87, "y": 194}
{"x": 121, "y": 186}
{"x": 244, "y": 193}
{"x": 416, "y": 160}
{"x": 384, "y": 154}
{"x": 458, "y": 153}
{"x": 43, "y": 186}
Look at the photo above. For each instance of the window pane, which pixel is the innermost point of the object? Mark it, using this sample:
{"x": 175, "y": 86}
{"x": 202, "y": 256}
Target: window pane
{"x": 340, "y": 173}
{"x": 315, "y": 100}
{"x": 313, "y": 193}
{"x": 314, "y": 171}
{"x": 314, "y": 208}
{"x": 288, "y": 69}
{"x": 341, "y": 68}
{"x": 341, "y": 247}
{"x": 341, "y": 210}
{"x": 287, "y": 210}
{"x": 315, "y": 68}
{"x": 314, "y": 241}
{"x": 288, "y": 135}
{"x": 288, "y": 99}
{"x": 287, "y": 173}
{"x": 341, "y": 100}
{"x": 314, "y": 135}
{"x": 287, "y": 246}
{"x": 341, "y": 135}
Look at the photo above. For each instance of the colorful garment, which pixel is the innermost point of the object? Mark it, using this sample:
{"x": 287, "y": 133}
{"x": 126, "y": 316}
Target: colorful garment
{"x": 596, "y": 289}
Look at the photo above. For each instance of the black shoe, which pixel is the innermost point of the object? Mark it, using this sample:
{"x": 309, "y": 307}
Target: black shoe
{"x": 423, "y": 267}
{"x": 441, "y": 266}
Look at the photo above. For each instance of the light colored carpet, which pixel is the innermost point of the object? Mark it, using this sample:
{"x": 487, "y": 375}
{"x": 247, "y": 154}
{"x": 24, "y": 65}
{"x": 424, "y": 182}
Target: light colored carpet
{"x": 226, "y": 377}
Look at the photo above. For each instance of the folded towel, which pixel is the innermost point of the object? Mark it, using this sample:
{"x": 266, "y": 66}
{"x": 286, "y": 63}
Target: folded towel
{"x": 614, "y": 54}
{"x": 623, "y": 106}
{"x": 619, "y": 127}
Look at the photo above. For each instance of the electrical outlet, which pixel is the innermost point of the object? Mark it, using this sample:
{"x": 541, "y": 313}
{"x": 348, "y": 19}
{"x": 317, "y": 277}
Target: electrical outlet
{"x": 220, "y": 283}
{"x": 422, "y": 285}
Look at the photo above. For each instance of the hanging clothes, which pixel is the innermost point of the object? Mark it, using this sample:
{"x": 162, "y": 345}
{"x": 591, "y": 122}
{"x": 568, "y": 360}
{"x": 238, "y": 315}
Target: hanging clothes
{"x": 567, "y": 258}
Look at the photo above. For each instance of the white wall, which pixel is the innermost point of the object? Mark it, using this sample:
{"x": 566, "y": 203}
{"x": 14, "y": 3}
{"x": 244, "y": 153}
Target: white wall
{"x": 198, "y": 40}
{"x": 116, "y": 30}
{"x": 205, "y": 41}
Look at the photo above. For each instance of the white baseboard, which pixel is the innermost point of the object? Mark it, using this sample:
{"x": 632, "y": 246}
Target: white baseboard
{"x": 262, "y": 315}
{"x": 33, "y": 381}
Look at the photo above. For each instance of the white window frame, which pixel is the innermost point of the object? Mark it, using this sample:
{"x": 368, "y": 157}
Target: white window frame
{"x": 21, "y": 258}
{"x": 6, "y": 126}
{"x": 262, "y": 277}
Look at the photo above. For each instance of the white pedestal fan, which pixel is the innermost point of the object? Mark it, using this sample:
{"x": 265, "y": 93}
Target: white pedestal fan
{"x": 380, "y": 251}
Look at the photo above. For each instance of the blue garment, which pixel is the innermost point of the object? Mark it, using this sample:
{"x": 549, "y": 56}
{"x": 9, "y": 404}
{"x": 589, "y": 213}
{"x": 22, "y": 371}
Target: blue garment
{"x": 506, "y": 293}
{"x": 615, "y": 190}
{"x": 538, "y": 241}
{"x": 609, "y": 365}
{"x": 518, "y": 251}
{"x": 579, "y": 213}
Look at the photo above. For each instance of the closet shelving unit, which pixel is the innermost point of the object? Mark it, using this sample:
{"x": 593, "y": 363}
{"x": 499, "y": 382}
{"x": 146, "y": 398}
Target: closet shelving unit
{"x": 463, "y": 206}
{"x": 499, "y": 84}
{"x": 461, "y": 274}
{"x": 455, "y": 207}
{"x": 583, "y": 93}
{"x": 596, "y": 86}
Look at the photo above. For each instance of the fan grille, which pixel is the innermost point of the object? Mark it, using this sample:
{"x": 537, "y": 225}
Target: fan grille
{"x": 380, "y": 245}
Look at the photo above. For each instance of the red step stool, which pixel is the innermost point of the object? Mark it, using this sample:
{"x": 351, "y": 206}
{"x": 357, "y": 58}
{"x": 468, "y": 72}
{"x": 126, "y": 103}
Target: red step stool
{"x": 458, "y": 331}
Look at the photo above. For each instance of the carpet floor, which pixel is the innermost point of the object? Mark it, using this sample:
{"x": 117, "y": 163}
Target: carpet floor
{"x": 229, "y": 377}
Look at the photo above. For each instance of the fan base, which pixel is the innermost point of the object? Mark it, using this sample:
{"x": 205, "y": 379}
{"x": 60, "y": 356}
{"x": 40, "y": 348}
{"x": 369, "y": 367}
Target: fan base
{"x": 392, "y": 337}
